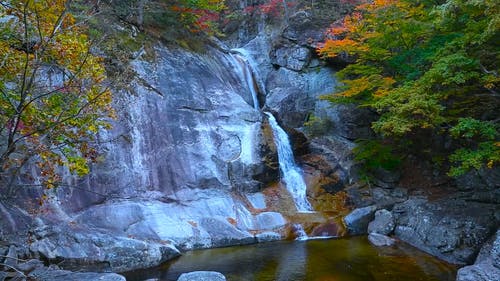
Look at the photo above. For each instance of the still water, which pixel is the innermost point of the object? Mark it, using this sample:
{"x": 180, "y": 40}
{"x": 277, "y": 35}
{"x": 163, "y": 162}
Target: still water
{"x": 347, "y": 259}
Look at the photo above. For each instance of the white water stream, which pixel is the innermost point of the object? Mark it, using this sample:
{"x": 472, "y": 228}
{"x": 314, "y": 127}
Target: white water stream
{"x": 292, "y": 174}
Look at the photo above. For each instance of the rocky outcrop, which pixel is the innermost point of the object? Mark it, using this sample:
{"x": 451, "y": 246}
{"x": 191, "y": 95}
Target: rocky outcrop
{"x": 93, "y": 250}
{"x": 487, "y": 265}
{"x": 451, "y": 229}
{"x": 16, "y": 268}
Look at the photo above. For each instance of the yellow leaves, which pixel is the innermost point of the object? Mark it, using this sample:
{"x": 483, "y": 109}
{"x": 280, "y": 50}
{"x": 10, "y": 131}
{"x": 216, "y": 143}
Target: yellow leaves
{"x": 375, "y": 85}
{"x": 333, "y": 48}
{"x": 385, "y": 87}
{"x": 59, "y": 117}
{"x": 356, "y": 87}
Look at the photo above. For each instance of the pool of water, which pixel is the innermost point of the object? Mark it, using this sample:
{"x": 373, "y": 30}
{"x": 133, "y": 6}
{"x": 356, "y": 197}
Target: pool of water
{"x": 346, "y": 259}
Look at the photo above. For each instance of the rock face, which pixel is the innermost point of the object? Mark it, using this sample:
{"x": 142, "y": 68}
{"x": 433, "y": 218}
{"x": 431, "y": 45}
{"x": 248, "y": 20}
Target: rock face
{"x": 487, "y": 265}
{"x": 451, "y": 229}
{"x": 187, "y": 148}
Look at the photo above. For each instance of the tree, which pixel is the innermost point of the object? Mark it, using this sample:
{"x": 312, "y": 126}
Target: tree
{"x": 427, "y": 67}
{"x": 52, "y": 98}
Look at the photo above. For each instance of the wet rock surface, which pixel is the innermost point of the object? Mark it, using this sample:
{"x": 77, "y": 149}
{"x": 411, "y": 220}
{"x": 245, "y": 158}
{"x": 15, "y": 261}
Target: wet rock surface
{"x": 202, "y": 276}
{"x": 380, "y": 240}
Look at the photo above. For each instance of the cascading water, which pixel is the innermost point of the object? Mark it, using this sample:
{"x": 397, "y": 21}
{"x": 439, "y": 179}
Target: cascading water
{"x": 247, "y": 75}
{"x": 292, "y": 174}
{"x": 250, "y": 75}
{"x": 300, "y": 233}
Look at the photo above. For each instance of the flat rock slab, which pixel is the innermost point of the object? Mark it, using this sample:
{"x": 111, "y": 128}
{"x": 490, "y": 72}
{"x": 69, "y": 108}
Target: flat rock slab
{"x": 202, "y": 276}
{"x": 257, "y": 200}
{"x": 97, "y": 251}
{"x": 47, "y": 274}
{"x": 380, "y": 240}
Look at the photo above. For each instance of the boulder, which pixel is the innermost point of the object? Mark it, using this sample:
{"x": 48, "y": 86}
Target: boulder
{"x": 449, "y": 228}
{"x": 357, "y": 221}
{"x": 223, "y": 234}
{"x": 269, "y": 221}
{"x": 93, "y": 250}
{"x": 382, "y": 224}
{"x": 487, "y": 265}
{"x": 202, "y": 276}
{"x": 49, "y": 274}
{"x": 380, "y": 240}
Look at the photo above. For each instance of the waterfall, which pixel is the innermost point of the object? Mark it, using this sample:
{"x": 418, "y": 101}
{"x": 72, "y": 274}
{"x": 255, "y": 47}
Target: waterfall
{"x": 249, "y": 75}
{"x": 292, "y": 174}
{"x": 299, "y": 232}
{"x": 246, "y": 73}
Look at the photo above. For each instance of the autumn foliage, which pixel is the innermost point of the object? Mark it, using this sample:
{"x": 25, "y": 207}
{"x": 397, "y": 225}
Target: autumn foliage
{"x": 429, "y": 68}
{"x": 199, "y": 15}
{"x": 52, "y": 98}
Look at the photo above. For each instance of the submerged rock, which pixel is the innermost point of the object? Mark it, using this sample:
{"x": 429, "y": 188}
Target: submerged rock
{"x": 202, "y": 276}
{"x": 380, "y": 240}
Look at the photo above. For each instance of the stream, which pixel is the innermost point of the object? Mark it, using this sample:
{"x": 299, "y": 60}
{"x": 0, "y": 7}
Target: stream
{"x": 346, "y": 259}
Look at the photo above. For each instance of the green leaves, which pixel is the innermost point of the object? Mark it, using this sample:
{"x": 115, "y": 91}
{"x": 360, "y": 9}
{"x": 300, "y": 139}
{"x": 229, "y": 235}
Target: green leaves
{"x": 423, "y": 66}
{"x": 375, "y": 154}
{"x": 472, "y": 128}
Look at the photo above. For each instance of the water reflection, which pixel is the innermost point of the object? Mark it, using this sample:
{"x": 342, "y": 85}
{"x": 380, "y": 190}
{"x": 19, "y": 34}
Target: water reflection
{"x": 292, "y": 263}
{"x": 352, "y": 259}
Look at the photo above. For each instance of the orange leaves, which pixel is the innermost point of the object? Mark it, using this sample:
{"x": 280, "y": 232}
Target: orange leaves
{"x": 333, "y": 48}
